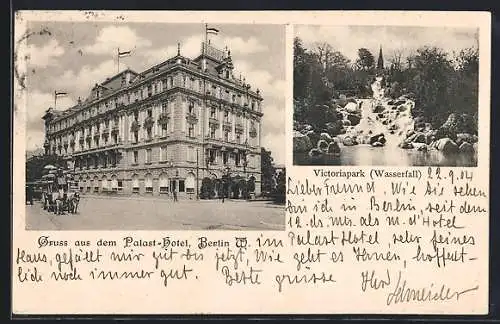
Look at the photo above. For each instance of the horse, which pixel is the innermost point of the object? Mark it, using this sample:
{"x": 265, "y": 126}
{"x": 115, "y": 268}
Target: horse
{"x": 56, "y": 201}
{"x": 73, "y": 201}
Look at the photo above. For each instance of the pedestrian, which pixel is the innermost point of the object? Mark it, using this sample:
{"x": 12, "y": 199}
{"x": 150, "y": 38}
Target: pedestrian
{"x": 175, "y": 195}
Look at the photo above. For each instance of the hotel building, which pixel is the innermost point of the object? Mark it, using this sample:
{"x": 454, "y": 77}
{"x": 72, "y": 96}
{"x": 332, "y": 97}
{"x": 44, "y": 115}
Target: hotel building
{"x": 164, "y": 129}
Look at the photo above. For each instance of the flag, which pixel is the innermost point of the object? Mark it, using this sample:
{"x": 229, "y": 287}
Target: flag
{"x": 60, "y": 94}
{"x": 211, "y": 30}
{"x": 124, "y": 54}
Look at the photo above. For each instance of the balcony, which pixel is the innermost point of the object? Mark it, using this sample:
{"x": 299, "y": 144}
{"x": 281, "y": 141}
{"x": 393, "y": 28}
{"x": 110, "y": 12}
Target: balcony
{"x": 214, "y": 121}
{"x": 148, "y": 122}
{"x": 191, "y": 118}
{"x": 227, "y": 125}
{"x": 238, "y": 127}
{"x": 253, "y": 132}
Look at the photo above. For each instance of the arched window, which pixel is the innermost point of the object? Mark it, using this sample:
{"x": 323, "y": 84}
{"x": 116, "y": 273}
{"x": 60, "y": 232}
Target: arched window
{"x": 114, "y": 183}
{"x": 104, "y": 183}
{"x": 89, "y": 183}
{"x": 163, "y": 183}
{"x": 148, "y": 183}
{"x": 135, "y": 183}
{"x": 190, "y": 183}
{"x": 96, "y": 184}
{"x": 81, "y": 183}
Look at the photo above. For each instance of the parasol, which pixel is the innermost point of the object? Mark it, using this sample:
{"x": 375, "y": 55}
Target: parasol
{"x": 49, "y": 167}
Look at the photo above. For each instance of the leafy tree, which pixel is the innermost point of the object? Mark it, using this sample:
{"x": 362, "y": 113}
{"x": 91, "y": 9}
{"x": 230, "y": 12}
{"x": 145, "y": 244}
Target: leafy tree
{"x": 267, "y": 170}
{"x": 280, "y": 194}
{"x": 35, "y": 165}
{"x": 365, "y": 60}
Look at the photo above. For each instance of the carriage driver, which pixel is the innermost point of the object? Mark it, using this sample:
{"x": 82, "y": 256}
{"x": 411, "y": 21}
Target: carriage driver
{"x": 62, "y": 184}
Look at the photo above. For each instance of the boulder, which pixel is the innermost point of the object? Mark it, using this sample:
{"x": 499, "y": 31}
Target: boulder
{"x": 405, "y": 145}
{"x": 353, "y": 119}
{"x": 325, "y": 137}
{"x": 301, "y": 142}
{"x": 315, "y": 155}
{"x": 333, "y": 148}
{"x": 377, "y": 138}
{"x": 419, "y": 146}
{"x": 466, "y": 147}
{"x": 342, "y": 100}
{"x": 417, "y": 138}
{"x": 322, "y": 145}
{"x": 378, "y": 109}
{"x": 465, "y": 138}
{"x": 377, "y": 144}
{"x": 446, "y": 145}
{"x": 348, "y": 141}
{"x": 352, "y": 107}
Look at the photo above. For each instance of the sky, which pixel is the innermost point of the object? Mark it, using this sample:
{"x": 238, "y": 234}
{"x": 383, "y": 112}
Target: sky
{"x": 77, "y": 55}
{"x": 348, "y": 39}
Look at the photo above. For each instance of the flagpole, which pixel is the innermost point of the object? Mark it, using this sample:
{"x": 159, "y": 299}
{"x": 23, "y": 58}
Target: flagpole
{"x": 206, "y": 37}
{"x": 118, "y": 58}
{"x": 55, "y": 98}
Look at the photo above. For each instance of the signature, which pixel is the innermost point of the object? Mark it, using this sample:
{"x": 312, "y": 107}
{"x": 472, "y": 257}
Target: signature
{"x": 404, "y": 294}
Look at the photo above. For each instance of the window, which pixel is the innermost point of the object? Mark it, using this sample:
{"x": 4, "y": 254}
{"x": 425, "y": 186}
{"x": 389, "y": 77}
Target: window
{"x": 238, "y": 138}
{"x": 190, "y": 183}
{"x": 191, "y": 154}
{"x": 226, "y": 116}
{"x": 163, "y": 153}
{"x": 148, "y": 156}
{"x": 191, "y": 107}
{"x": 211, "y": 156}
{"x": 148, "y": 183}
{"x": 96, "y": 184}
{"x": 150, "y": 113}
{"x": 163, "y": 183}
{"x": 253, "y": 105}
{"x": 120, "y": 185}
{"x": 164, "y": 84}
{"x": 181, "y": 186}
{"x": 200, "y": 85}
{"x": 212, "y": 112}
{"x": 164, "y": 107}
{"x": 136, "y": 136}
{"x": 114, "y": 183}
{"x": 89, "y": 184}
{"x": 104, "y": 184}
{"x": 226, "y": 136}
{"x": 149, "y": 134}
{"x": 135, "y": 183}
{"x": 191, "y": 130}
{"x": 136, "y": 157}
{"x": 224, "y": 158}
{"x": 237, "y": 159}
{"x": 170, "y": 82}
{"x": 212, "y": 132}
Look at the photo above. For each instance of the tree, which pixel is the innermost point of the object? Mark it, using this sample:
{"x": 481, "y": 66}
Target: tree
{"x": 365, "y": 60}
{"x": 35, "y": 165}
{"x": 280, "y": 194}
{"x": 267, "y": 171}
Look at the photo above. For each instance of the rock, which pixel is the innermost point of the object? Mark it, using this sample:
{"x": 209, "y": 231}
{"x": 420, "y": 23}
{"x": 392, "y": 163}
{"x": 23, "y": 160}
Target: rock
{"x": 419, "y": 146}
{"x": 301, "y": 142}
{"x": 378, "y": 109}
{"x": 466, "y": 147}
{"x": 353, "y": 119}
{"x": 405, "y": 145}
{"x": 316, "y": 155}
{"x": 348, "y": 141}
{"x": 333, "y": 148}
{"x": 446, "y": 145}
{"x": 465, "y": 138}
{"x": 377, "y": 138}
{"x": 342, "y": 100}
{"x": 325, "y": 137}
{"x": 417, "y": 138}
{"x": 352, "y": 107}
{"x": 322, "y": 145}
{"x": 377, "y": 144}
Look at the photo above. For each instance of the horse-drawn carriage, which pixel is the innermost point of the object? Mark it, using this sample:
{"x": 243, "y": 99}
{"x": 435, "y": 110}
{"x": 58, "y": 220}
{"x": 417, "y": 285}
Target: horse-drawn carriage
{"x": 59, "y": 194}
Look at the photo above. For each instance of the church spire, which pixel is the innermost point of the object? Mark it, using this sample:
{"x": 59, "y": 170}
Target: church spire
{"x": 380, "y": 61}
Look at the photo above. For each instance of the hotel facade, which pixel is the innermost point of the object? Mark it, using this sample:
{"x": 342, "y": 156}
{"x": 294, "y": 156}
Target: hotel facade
{"x": 164, "y": 129}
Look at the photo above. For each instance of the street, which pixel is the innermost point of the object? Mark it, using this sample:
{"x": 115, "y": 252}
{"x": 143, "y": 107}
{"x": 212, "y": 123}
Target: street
{"x": 149, "y": 213}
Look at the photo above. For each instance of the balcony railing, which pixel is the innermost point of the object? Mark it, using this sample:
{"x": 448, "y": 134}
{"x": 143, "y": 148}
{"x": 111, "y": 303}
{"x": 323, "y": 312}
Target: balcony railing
{"x": 213, "y": 121}
{"x": 227, "y": 125}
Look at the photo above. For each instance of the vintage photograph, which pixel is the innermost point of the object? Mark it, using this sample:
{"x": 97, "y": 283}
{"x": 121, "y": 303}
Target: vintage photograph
{"x": 385, "y": 95}
{"x": 154, "y": 126}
